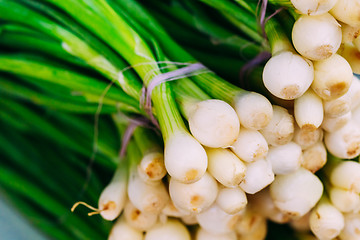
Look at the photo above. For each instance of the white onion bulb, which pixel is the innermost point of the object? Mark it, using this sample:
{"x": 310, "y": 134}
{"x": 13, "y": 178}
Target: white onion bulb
{"x": 253, "y": 109}
{"x": 214, "y": 123}
{"x": 326, "y": 221}
{"x": 296, "y": 193}
{"x": 185, "y": 158}
{"x": 171, "y": 229}
{"x": 313, "y": 7}
{"x": 288, "y": 75}
{"x": 347, "y": 11}
{"x": 345, "y": 142}
{"x": 333, "y": 77}
{"x": 250, "y": 145}
{"x": 316, "y": 37}
{"x": 280, "y": 130}
{"x": 194, "y": 197}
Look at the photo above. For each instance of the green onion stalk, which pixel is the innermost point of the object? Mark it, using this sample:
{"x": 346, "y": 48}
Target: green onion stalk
{"x": 151, "y": 167}
{"x": 279, "y": 45}
{"x": 18, "y": 37}
{"x": 241, "y": 17}
{"x": 113, "y": 197}
{"x": 222, "y": 124}
{"x": 144, "y": 62}
{"x": 285, "y": 62}
{"x": 255, "y": 116}
{"x": 194, "y": 18}
{"x": 50, "y": 199}
{"x": 73, "y": 43}
{"x": 19, "y": 113}
{"x": 97, "y": 56}
{"x": 69, "y": 103}
{"x": 36, "y": 68}
{"x": 147, "y": 196}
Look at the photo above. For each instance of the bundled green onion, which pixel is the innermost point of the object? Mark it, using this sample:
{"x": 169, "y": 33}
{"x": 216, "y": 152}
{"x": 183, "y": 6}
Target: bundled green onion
{"x": 211, "y": 119}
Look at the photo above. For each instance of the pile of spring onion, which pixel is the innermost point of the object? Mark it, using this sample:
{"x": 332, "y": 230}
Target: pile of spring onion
{"x": 182, "y": 119}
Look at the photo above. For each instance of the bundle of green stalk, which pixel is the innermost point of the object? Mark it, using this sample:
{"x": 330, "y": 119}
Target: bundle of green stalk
{"x": 227, "y": 159}
{"x": 44, "y": 159}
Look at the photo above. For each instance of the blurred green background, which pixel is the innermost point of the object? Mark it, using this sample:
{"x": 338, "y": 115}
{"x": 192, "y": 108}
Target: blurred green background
{"x": 13, "y": 226}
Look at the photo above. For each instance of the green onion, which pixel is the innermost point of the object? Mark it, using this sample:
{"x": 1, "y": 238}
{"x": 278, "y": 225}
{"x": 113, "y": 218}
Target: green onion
{"x": 309, "y": 110}
{"x": 314, "y": 157}
{"x": 346, "y": 11}
{"x": 250, "y": 145}
{"x": 285, "y": 159}
{"x": 341, "y": 146}
{"x": 202, "y": 234}
{"x": 172, "y": 228}
{"x": 231, "y": 200}
{"x": 352, "y": 222}
{"x": 307, "y": 7}
{"x": 309, "y": 41}
{"x": 122, "y": 230}
{"x": 151, "y": 167}
{"x": 140, "y": 220}
{"x": 284, "y": 63}
{"x": 296, "y": 193}
{"x": 226, "y": 167}
{"x": 216, "y": 221}
{"x": 251, "y": 225}
{"x": 31, "y": 67}
{"x": 194, "y": 197}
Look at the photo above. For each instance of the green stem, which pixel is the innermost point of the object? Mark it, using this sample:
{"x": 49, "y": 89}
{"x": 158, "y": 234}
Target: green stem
{"x": 283, "y": 3}
{"x": 23, "y": 65}
{"x": 249, "y": 6}
{"x": 234, "y": 44}
{"x": 43, "y": 127}
{"x": 331, "y": 163}
{"x": 58, "y": 91}
{"x": 18, "y": 13}
{"x": 27, "y": 42}
{"x": 67, "y": 22}
{"x": 107, "y": 142}
{"x": 12, "y": 121}
{"x": 218, "y": 88}
{"x": 187, "y": 94}
{"x": 55, "y": 184}
{"x": 22, "y": 186}
{"x": 119, "y": 35}
{"x": 277, "y": 37}
{"x": 62, "y": 104}
{"x": 245, "y": 21}
{"x": 212, "y": 84}
{"x": 167, "y": 113}
{"x": 123, "y": 38}
{"x": 196, "y": 18}
{"x": 146, "y": 140}
{"x": 228, "y": 67}
{"x": 133, "y": 152}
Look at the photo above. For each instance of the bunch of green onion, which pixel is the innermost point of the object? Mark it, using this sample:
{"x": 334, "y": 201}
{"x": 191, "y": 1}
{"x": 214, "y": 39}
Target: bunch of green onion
{"x": 271, "y": 152}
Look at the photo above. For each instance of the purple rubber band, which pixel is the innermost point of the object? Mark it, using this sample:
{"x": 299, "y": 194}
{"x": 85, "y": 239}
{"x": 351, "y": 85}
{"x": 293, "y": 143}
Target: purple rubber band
{"x": 134, "y": 123}
{"x": 262, "y": 18}
{"x": 257, "y": 60}
{"x": 183, "y": 72}
{"x": 265, "y": 55}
